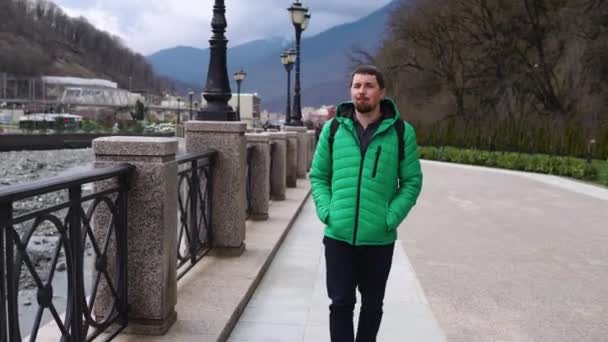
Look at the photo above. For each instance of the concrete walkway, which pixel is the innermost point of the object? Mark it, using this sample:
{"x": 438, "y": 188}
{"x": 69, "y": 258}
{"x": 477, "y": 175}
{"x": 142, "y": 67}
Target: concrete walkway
{"x": 291, "y": 302}
{"x": 511, "y": 256}
{"x": 212, "y": 295}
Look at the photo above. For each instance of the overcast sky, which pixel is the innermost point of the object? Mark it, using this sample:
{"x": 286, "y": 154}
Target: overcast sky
{"x": 147, "y": 26}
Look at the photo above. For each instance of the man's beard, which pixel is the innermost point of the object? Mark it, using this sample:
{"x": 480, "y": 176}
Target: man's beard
{"x": 364, "y": 108}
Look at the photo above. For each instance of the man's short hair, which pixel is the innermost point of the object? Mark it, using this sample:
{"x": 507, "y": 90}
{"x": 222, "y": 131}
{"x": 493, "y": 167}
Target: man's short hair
{"x": 369, "y": 70}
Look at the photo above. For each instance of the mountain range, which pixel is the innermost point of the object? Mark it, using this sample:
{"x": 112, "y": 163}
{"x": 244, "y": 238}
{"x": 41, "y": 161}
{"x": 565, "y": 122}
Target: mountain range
{"x": 325, "y": 62}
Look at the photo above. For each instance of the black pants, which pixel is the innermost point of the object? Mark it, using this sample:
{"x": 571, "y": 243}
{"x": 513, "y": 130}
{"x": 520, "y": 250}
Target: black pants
{"x": 349, "y": 267}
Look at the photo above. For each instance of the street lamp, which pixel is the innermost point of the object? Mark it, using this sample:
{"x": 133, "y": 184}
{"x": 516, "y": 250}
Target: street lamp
{"x": 217, "y": 92}
{"x": 190, "y": 94}
{"x": 178, "y": 119}
{"x": 239, "y": 76}
{"x": 300, "y": 18}
{"x": 288, "y": 58}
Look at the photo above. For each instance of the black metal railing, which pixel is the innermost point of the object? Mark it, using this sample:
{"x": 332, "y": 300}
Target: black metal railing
{"x": 248, "y": 181}
{"x": 77, "y": 291}
{"x": 194, "y": 187}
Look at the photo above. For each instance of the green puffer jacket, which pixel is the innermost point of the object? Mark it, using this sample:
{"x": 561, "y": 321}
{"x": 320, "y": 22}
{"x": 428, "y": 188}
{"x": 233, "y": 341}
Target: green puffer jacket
{"x": 357, "y": 196}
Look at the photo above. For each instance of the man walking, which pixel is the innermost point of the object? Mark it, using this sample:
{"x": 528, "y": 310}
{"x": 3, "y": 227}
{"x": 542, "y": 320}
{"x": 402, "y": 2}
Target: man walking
{"x": 366, "y": 177}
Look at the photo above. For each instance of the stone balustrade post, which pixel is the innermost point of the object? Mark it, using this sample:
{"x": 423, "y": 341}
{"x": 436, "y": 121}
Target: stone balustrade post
{"x": 292, "y": 159}
{"x": 311, "y": 146}
{"x": 278, "y": 166}
{"x": 260, "y": 175}
{"x": 302, "y": 149}
{"x": 152, "y": 230}
{"x": 228, "y": 203}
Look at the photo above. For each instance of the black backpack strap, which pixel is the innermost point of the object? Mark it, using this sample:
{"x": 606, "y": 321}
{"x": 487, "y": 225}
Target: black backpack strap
{"x": 332, "y": 133}
{"x": 400, "y": 128}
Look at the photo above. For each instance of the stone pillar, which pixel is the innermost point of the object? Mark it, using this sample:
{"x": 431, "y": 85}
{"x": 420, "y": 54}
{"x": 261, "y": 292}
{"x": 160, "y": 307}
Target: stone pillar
{"x": 152, "y": 229}
{"x": 260, "y": 175}
{"x": 302, "y": 149}
{"x": 292, "y": 159}
{"x": 311, "y": 146}
{"x": 228, "y": 212}
{"x": 278, "y": 166}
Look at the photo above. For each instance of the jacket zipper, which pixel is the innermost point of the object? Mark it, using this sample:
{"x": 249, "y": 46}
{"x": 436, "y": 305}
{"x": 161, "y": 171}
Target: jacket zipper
{"x": 358, "y": 199}
{"x": 378, "y": 151}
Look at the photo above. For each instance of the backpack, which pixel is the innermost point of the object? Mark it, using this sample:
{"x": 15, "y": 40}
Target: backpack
{"x": 399, "y": 126}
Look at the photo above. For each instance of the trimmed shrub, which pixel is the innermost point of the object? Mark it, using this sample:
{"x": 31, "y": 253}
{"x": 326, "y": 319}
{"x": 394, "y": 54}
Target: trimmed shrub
{"x": 540, "y": 163}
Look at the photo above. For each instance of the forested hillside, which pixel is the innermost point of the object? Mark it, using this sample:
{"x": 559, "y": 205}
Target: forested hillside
{"x": 38, "y": 38}
{"x": 526, "y": 75}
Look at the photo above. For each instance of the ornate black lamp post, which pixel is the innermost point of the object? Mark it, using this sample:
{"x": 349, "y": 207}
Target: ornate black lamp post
{"x": 178, "y": 114}
{"x": 300, "y": 18}
{"x": 239, "y": 76}
{"x": 288, "y": 58}
{"x": 217, "y": 92}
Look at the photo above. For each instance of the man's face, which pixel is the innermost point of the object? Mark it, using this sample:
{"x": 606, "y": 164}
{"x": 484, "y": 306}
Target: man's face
{"x": 365, "y": 93}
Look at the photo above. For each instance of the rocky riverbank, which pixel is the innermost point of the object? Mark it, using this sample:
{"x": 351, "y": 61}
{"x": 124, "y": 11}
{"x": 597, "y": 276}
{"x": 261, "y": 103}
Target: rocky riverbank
{"x": 21, "y": 167}
{"x": 27, "y": 166}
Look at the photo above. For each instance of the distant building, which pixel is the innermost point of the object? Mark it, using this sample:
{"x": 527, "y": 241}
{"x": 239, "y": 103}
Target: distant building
{"x": 54, "y": 87}
{"x": 272, "y": 118}
{"x": 10, "y": 116}
{"x": 49, "y": 88}
{"x": 171, "y": 101}
{"x": 319, "y": 116}
{"x": 250, "y": 108}
{"x": 79, "y": 81}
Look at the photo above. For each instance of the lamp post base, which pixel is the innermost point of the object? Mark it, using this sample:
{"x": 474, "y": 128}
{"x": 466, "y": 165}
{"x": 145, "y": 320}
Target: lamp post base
{"x": 215, "y": 116}
{"x": 294, "y": 122}
{"x": 216, "y": 113}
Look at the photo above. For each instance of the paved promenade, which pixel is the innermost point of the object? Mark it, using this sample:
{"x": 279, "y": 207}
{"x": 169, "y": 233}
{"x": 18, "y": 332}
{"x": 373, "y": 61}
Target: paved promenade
{"x": 486, "y": 255}
{"x": 500, "y": 255}
{"x": 212, "y": 295}
{"x": 291, "y": 302}
{"x": 511, "y": 256}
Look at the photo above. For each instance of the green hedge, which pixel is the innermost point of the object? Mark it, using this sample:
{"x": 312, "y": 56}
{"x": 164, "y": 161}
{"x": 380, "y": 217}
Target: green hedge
{"x": 523, "y": 134}
{"x": 562, "y": 166}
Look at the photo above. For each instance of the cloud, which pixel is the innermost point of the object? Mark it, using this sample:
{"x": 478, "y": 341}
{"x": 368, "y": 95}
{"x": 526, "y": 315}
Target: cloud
{"x": 147, "y": 26}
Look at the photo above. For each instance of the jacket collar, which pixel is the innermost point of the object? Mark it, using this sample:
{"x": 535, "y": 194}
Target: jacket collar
{"x": 345, "y": 114}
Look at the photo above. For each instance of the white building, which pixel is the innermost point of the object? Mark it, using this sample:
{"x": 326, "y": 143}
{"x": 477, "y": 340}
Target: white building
{"x": 10, "y": 116}
{"x": 56, "y": 87}
{"x": 250, "y": 108}
{"x": 79, "y": 81}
